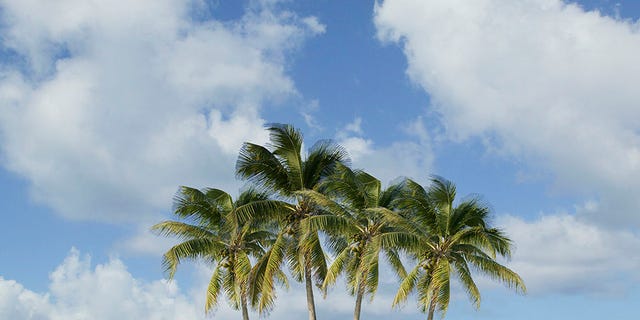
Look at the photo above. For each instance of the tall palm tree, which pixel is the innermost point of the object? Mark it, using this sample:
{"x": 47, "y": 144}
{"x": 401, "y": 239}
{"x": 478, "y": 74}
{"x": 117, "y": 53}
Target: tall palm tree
{"x": 354, "y": 203}
{"x": 282, "y": 168}
{"x": 217, "y": 230}
{"x": 446, "y": 239}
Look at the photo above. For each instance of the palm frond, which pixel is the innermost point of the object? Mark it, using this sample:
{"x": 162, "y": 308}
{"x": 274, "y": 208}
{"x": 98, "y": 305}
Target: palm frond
{"x": 182, "y": 230}
{"x": 265, "y": 273}
{"x": 286, "y": 143}
{"x": 193, "y": 203}
{"x": 464, "y": 275}
{"x": 406, "y": 286}
{"x": 316, "y": 257}
{"x": 258, "y": 165}
{"x": 213, "y": 290}
{"x": 190, "y": 249}
{"x": 396, "y": 263}
{"x": 336, "y": 268}
{"x": 324, "y": 156}
{"x": 497, "y": 272}
{"x": 262, "y": 211}
{"x": 404, "y": 241}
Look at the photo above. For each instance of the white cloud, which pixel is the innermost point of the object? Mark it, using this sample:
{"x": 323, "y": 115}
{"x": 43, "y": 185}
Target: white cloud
{"x": 355, "y": 126}
{"x": 116, "y": 104}
{"x": 539, "y": 79}
{"x": 315, "y": 25}
{"x": 412, "y": 157}
{"x": 562, "y": 254}
{"x": 108, "y": 291}
{"x": 18, "y": 303}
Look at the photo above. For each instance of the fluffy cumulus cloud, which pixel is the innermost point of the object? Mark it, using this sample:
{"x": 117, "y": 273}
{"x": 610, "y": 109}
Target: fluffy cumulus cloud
{"x": 106, "y": 107}
{"x": 108, "y": 291}
{"x": 542, "y": 80}
{"x": 561, "y": 254}
{"x": 412, "y": 157}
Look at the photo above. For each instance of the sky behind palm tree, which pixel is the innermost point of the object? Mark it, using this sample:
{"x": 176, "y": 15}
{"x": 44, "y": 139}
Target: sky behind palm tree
{"x": 106, "y": 107}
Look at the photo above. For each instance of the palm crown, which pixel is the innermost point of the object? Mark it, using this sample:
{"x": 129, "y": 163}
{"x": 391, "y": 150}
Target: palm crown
{"x": 282, "y": 169}
{"x": 445, "y": 239}
{"x": 216, "y": 229}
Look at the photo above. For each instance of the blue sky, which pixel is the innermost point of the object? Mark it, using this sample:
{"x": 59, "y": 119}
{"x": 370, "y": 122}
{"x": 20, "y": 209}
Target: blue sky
{"x": 107, "y": 107}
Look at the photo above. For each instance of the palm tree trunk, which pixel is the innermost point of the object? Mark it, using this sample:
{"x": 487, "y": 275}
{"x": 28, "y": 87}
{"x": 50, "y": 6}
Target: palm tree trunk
{"x": 245, "y": 311}
{"x": 359, "y": 295}
{"x": 309, "y": 285}
{"x": 432, "y": 307}
{"x": 431, "y": 311}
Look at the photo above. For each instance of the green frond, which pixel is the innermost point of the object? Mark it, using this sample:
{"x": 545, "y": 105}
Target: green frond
{"x": 263, "y": 211}
{"x": 265, "y": 273}
{"x": 281, "y": 278}
{"x": 402, "y": 240}
{"x": 425, "y": 291}
{"x": 332, "y": 225}
{"x": 396, "y": 263}
{"x": 286, "y": 143}
{"x": 324, "y": 202}
{"x": 499, "y": 241}
{"x": 469, "y": 213}
{"x": 407, "y": 225}
{"x": 372, "y": 279}
{"x": 213, "y": 290}
{"x": 442, "y": 192}
{"x": 295, "y": 260}
{"x": 441, "y": 276}
{"x": 336, "y": 268}
{"x": 251, "y": 194}
{"x": 497, "y": 272}
{"x": 182, "y": 230}
{"x": 415, "y": 204}
{"x": 464, "y": 275}
{"x": 346, "y": 187}
{"x": 219, "y": 198}
{"x": 191, "y": 250}
{"x": 258, "y": 165}
{"x": 444, "y": 296}
{"x": 390, "y": 195}
{"x": 473, "y": 212}
{"x": 242, "y": 267}
{"x": 324, "y": 156}
{"x": 371, "y": 188}
{"x": 406, "y": 286}
{"x": 230, "y": 287}
{"x": 316, "y": 257}
{"x": 193, "y": 203}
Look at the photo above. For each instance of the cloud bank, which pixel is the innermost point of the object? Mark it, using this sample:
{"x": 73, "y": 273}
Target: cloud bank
{"x": 561, "y": 254}
{"x": 540, "y": 80}
{"x": 107, "y": 107}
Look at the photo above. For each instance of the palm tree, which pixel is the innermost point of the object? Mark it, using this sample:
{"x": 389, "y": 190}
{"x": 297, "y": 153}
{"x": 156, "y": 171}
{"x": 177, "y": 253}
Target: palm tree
{"x": 355, "y": 202}
{"x": 284, "y": 170}
{"x": 216, "y": 230}
{"x": 446, "y": 239}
